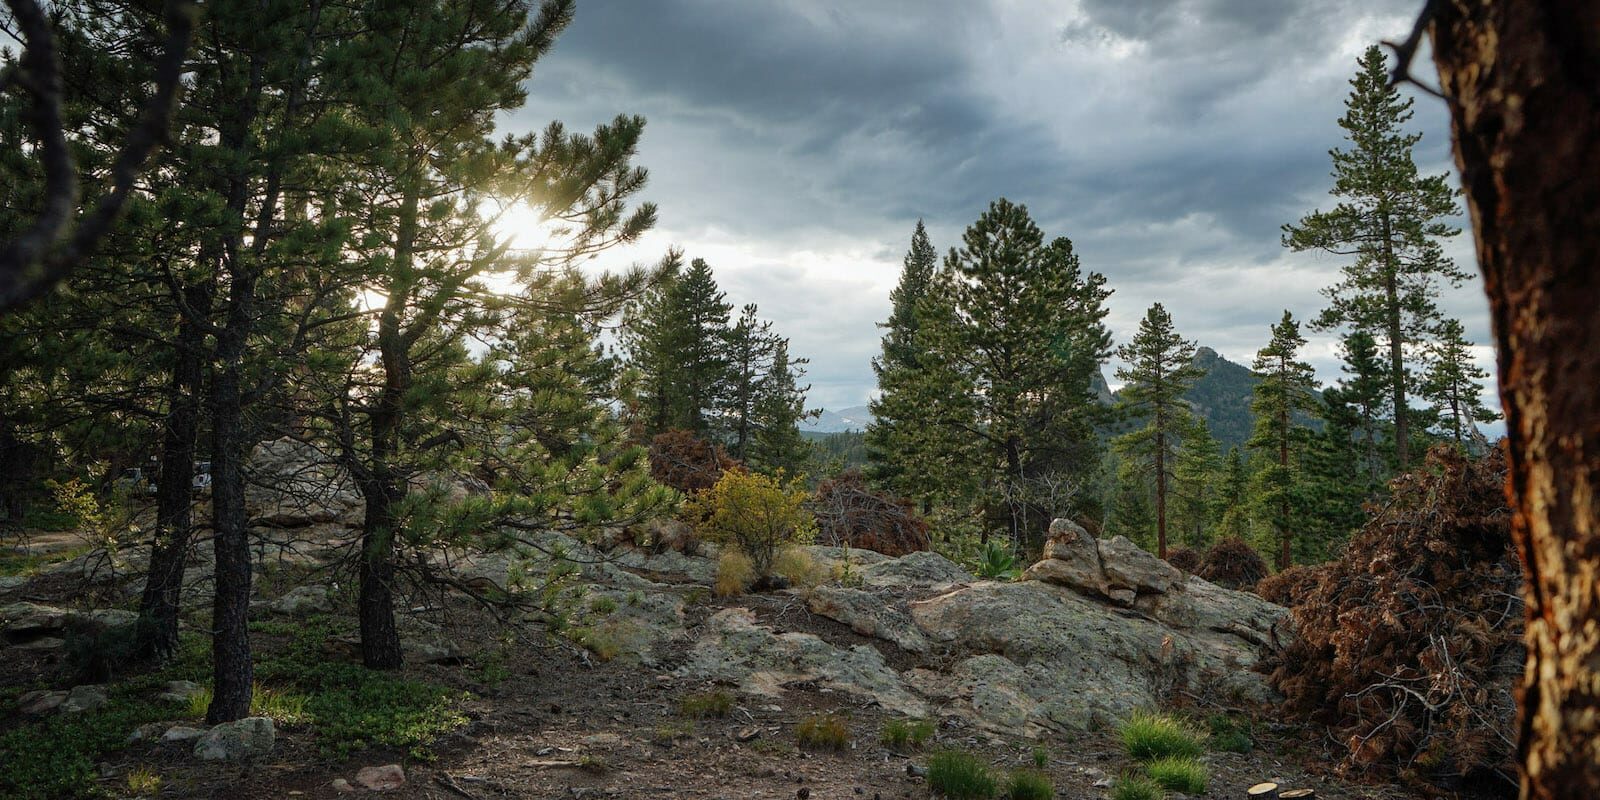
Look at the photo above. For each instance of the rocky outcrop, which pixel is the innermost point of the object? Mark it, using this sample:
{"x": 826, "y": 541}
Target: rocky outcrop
{"x": 869, "y": 614}
{"x": 291, "y": 484}
{"x": 1114, "y": 569}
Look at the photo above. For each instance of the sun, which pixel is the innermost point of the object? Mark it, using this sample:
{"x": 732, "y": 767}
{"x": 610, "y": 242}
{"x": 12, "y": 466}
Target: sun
{"x": 524, "y": 228}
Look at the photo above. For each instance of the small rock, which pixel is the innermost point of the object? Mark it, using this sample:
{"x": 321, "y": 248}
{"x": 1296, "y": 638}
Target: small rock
{"x": 10, "y": 582}
{"x": 181, "y": 733}
{"x": 146, "y": 732}
{"x": 915, "y": 771}
{"x": 1103, "y": 783}
{"x": 382, "y": 779}
{"x": 748, "y": 733}
{"x": 237, "y": 740}
{"x": 342, "y": 786}
{"x": 40, "y": 702}
{"x": 179, "y": 692}
{"x": 84, "y": 698}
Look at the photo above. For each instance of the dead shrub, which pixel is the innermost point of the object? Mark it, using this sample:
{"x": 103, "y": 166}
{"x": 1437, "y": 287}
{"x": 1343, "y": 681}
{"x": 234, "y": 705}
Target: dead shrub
{"x": 686, "y": 462}
{"x": 1408, "y": 646}
{"x": 1184, "y": 558}
{"x": 1288, "y": 587}
{"x": 1233, "y": 564}
{"x": 850, "y": 513}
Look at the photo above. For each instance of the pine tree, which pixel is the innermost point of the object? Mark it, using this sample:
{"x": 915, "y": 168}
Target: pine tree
{"x": 1237, "y": 516}
{"x": 678, "y": 339}
{"x": 1130, "y": 510}
{"x": 1284, "y": 393}
{"x": 1014, "y": 331}
{"x": 1197, "y": 502}
{"x": 1453, "y": 383}
{"x": 893, "y": 459}
{"x": 1390, "y": 219}
{"x": 1364, "y": 392}
{"x": 751, "y": 348}
{"x": 1160, "y": 370}
{"x": 779, "y": 408}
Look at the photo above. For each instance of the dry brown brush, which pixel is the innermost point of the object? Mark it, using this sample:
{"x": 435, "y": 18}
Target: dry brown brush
{"x": 1184, "y": 558}
{"x": 849, "y": 512}
{"x": 686, "y": 462}
{"x": 1408, "y": 645}
{"x": 1233, "y": 564}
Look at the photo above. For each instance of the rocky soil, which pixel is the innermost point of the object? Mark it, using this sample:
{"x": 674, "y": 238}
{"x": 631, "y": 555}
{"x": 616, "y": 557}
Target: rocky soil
{"x": 1054, "y": 660}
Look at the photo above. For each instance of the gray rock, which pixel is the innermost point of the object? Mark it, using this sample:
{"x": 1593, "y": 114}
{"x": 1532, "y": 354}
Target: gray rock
{"x": 31, "y": 619}
{"x": 84, "y": 698}
{"x": 292, "y": 484}
{"x": 381, "y": 779}
{"x": 762, "y": 660}
{"x": 40, "y": 702}
{"x": 922, "y": 570}
{"x": 179, "y": 692}
{"x": 304, "y": 600}
{"x": 342, "y": 786}
{"x": 181, "y": 734}
{"x": 1129, "y": 566}
{"x": 868, "y": 614}
{"x": 237, "y": 741}
{"x": 146, "y": 732}
{"x": 1041, "y": 657}
{"x": 11, "y": 583}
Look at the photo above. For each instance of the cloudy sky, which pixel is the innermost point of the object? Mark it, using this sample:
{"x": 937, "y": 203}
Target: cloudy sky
{"x": 793, "y": 144}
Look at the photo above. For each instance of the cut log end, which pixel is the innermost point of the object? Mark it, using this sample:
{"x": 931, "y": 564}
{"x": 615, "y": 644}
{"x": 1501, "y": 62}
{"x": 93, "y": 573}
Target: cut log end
{"x": 1263, "y": 791}
{"x": 1297, "y": 794}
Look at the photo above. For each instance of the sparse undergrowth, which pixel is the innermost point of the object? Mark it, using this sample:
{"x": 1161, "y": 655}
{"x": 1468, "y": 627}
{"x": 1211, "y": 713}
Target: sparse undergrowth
{"x": 901, "y": 735}
{"x": 706, "y": 704}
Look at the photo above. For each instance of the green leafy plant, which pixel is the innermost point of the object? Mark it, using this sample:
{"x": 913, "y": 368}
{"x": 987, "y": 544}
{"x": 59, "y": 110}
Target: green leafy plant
{"x": 960, "y": 776}
{"x": 901, "y": 735}
{"x": 1136, "y": 787}
{"x": 996, "y": 563}
{"x": 823, "y": 732}
{"x": 759, "y": 514}
{"x": 1229, "y": 736}
{"x": 1026, "y": 784}
{"x": 1147, "y": 736}
{"x": 1184, "y": 774}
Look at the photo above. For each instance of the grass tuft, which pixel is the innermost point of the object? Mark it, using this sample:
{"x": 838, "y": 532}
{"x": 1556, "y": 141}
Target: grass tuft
{"x": 1136, "y": 787}
{"x": 1147, "y": 736}
{"x": 707, "y": 704}
{"x": 1026, "y": 784}
{"x": 902, "y": 735}
{"x": 1186, "y": 775}
{"x": 823, "y": 732}
{"x": 960, "y": 776}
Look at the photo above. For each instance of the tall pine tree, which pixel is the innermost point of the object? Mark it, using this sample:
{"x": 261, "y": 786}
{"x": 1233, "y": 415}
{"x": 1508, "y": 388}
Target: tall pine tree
{"x": 891, "y": 438}
{"x": 1390, "y": 219}
{"x": 1453, "y": 384}
{"x": 1283, "y": 394}
{"x": 1160, "y": 370}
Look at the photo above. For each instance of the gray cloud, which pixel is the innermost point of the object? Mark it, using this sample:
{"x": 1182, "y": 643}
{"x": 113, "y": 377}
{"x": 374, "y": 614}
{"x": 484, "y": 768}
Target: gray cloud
{"x": 793, "y": 144}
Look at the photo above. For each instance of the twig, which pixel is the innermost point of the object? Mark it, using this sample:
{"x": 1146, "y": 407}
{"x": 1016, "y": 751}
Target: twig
{"x": 1405, "y": 52}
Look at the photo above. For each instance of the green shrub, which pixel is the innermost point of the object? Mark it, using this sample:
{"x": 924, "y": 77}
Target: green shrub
{"x": 56, "y": 757}
{"x": 759, "y": 514}
{"x": 1229, "y": 736}
{"x": 960, "y": 776}
{"x": 1136, "y": 787}
{"x": 1186, "y": 775}
{"x": 899, "y": 734}
{"x": 708, "y": 704}
{"x": 1147, "y": 736}
{"x": 1026, "y": 784}
{"x": 823, "y": 732}
{"x": 602, "y": 605}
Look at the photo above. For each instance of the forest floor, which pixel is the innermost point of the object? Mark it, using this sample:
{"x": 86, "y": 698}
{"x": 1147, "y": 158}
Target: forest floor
{"x": 542, "y": 718}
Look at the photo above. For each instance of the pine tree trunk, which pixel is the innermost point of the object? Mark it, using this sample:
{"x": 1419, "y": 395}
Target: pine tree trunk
{"x": 232, "y": 671}
{"x": 159, "y": 604}
{"x": 1397, "y": 352}
{"x": 1523, "y": 82}
{"x": 1286, "y": 554}
{"x": 1161, "y": 491}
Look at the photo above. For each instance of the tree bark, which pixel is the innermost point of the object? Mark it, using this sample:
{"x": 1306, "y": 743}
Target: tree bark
{"x": 1397, "y": 350}
{"x": 159, "y": 605}
{"x": 1523, "y": 84}
{"x": 1161, "y": 488}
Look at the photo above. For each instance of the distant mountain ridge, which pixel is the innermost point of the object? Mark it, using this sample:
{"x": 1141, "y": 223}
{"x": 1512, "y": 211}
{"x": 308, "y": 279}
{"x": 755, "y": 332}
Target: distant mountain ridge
{"x": 1221, "y": 396}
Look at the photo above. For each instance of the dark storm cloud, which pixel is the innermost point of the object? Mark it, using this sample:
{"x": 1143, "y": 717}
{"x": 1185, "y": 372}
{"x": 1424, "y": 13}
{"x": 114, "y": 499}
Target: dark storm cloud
{"x": 794, "y": 143}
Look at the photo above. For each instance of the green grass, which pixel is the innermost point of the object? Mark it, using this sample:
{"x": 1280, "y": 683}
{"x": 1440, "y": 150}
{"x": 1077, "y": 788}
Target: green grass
{"x": 823, "y": 732}
{"x": 1026, "y": 784}
{"x": 284, "y": 706}
{"x": 1185, "y": 775}
{"x": 602, "y": 605}
{"x": 901, "y": 735}
{"x": 1228, "y": 735}
{"x": 1041, "y": 756}
{"x": 960, "y": 776}
{"x": 706, "y": 704}
{"x": 1136, "y": 787}
{"x": 1147, "y": 736}
{"x": 57, "y": 757}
